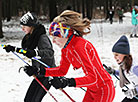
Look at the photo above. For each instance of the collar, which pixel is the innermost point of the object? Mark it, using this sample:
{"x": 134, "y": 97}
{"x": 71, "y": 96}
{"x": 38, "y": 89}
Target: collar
{"x": 68, "y": 41}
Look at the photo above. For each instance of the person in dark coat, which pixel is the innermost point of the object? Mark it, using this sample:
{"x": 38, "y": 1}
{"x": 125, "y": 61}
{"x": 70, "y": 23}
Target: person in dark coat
{"x": 120, "y": 15}
{"x": 36, "y": 43}
{"x": 110, "y": 15}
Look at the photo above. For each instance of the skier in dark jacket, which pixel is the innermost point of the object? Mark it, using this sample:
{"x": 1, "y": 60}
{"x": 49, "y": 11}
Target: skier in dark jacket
{"x": 110, "y": 15}
{"x": 36, "y": 43}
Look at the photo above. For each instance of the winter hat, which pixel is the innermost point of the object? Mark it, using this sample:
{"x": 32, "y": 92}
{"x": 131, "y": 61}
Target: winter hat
{"x": 60, "y": 30}
{"x": 29, "y": 19}
{"x": 122, "y": 46}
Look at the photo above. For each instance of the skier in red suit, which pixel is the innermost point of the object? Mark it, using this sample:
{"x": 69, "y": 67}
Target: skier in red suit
{"x": 67, "y": 30}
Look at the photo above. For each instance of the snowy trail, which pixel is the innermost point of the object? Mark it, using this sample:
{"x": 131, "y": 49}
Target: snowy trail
{"x": 13, "y": 85}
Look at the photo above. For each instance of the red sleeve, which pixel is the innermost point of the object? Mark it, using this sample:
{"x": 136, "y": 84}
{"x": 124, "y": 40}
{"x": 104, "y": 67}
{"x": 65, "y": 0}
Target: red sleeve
{"x": 60, "y": 70}
{"x": 90, "y": 63}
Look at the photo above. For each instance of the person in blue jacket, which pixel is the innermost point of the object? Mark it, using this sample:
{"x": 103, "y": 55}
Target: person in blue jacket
{"x": 134, "y": 23}
{"x": 128, "y": 69}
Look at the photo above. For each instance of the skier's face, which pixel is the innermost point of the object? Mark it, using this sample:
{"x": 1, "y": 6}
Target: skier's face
{"x": 27, "y": 29}
{"x": 119, "y": 57}
{"x": 59, "y": 41}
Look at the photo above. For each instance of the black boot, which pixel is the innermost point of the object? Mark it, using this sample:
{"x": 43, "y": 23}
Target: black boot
{"x": 136, "y": 35}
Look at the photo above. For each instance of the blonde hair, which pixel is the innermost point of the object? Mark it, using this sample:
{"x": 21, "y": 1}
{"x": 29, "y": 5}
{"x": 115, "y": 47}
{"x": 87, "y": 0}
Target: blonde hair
{"x": 75, "y": 21}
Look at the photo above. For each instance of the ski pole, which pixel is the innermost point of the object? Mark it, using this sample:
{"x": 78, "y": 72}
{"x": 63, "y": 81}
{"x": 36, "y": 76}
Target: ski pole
{"x": 60, "y": 88}
{"x": 118, "y": 79}
{"x": 48, "y": 67}
{"x": 24, "y": 51}
{"x": 41, "y": 83}
{"x": 41, "y": 62}
{"x": 67, "y": 95}
{"x": 114, "y": 75}
{"x": 37, "y": 79}
{"x": 20, "y": 58}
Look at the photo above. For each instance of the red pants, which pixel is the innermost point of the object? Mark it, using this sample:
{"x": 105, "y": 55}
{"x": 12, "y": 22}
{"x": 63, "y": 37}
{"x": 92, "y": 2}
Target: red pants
{"x": 105, "y": 93}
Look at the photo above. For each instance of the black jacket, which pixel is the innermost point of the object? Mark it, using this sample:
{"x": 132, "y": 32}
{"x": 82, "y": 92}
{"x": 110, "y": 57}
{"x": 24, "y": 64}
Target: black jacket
{"x": 39, "y": 40}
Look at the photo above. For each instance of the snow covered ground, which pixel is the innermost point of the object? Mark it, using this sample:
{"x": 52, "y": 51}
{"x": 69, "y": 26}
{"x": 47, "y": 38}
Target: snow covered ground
{"x": 13, "y": 85}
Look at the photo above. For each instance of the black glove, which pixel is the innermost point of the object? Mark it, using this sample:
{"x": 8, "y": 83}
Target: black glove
{"x": 63, "y": 82}
{"x": 18, "y": 50}
{"x": 31, "y": 70}
{"x": 9, "y": 48}
{"x": 30, "y": 53}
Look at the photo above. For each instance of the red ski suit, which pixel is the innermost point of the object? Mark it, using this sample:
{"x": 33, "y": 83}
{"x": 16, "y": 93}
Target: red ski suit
{"x": 82, "y": 54}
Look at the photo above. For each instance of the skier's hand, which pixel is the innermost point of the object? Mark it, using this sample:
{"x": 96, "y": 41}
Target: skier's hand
{"x": 109, "y": 69}
{"x": 9, "y": 48}
{"x": 30, "y": 53}
{"x": 63, "y": 82}
{"x": 31, "y": 70}
{"x": 130, "y": 93}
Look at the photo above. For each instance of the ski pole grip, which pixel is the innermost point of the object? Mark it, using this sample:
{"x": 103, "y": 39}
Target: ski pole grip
{"x": 22, "y": 51}
{"x": 2, "y": 45}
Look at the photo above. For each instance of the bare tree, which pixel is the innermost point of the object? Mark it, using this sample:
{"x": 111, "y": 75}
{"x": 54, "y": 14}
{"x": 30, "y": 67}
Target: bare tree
{"x": 52, "y": 9}
{"x": 1, "y": 34}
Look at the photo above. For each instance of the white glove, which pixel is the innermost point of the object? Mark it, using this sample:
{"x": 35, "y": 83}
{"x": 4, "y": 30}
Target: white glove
{"x": 130, "y": 93}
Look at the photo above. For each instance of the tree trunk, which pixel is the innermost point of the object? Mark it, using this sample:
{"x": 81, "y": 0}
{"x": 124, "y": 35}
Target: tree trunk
{"x": 33, "y": 3}
{"x": 8, "y": 15}
{"x": 83, "y": 8}
{"x": 88, "y": 9}
{"x": 78, "y": 5}
{"x": 132, "y": 3}
{"x": 1, "y": 33}
{"x": 52, "y": 9}
{"x": 110, "y": 4}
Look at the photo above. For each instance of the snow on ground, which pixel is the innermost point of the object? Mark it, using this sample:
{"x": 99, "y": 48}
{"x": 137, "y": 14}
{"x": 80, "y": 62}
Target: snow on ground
{"x": 13, "y": 85}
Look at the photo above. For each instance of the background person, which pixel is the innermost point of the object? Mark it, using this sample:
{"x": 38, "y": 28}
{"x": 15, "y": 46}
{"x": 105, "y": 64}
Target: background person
{"x": 134, "y": 23}
{"x": 128, "y": 68}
